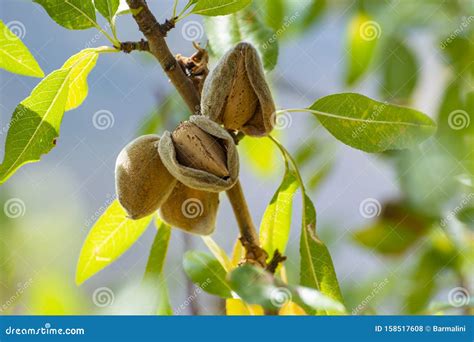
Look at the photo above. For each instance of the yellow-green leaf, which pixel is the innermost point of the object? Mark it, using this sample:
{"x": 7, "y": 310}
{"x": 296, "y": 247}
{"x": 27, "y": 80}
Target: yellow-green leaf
{"x": 112, "y": 235}
{"x": 108, "y": 8}
{"x": 35, "y": 123}
{"x": 219, "y": 7}
{"x": 15, "y": 56}
{"x": 154, "y": 275}
{"x": 71, "y": 14}
{"x": 276, "y": 222}
{"x": 253, "y": 150}
{"x": 81, "y": 65}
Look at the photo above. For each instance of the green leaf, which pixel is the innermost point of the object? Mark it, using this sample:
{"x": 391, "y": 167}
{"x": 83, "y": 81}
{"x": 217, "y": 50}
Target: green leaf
{"x": 71, "y": 14}
{"x": 81, "y": 65}
{"x": 225, "y": 32}
{"x": 256, "y": 286}
{"x": 466, "y": 215}
{"x": 108, "y": 8}
{"x": 35, "y": 123}
{"x": 274, "y": 12}
{"x": 363, "y": 36}
{"x": 316, "y": 266}
{"x": 219, "y": 7}
{"x": 276, "y": 222}
{"x": 154, "y": 275}
{"x": 312, "y": 13}
{"x": 372, "y": 126}
{"x": 400, "y": 72}
{"x": 112, "y": 235}
{"x": 206, "y": 272}
{"x": 15, "y": 56}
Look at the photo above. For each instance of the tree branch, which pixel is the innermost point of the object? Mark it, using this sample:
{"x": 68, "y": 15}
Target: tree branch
{"x": 155, "y": 33}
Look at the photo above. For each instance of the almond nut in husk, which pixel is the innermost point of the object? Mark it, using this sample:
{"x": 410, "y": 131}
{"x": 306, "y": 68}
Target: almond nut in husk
{"x": 142, "y": 182}
{"x": 237, "y": 95}
{"x": 190, "y": 209}
{"x": 201, "y": 155}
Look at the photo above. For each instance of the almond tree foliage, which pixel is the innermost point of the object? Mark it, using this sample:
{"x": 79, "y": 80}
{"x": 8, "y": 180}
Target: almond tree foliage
{"x": 173, "y": 179}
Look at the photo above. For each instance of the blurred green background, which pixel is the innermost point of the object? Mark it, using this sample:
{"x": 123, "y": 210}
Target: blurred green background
{"x": 399, "y": 225}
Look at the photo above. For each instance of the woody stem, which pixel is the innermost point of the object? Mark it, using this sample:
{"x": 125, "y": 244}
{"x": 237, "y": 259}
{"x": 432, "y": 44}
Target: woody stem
{"x": 155, "y": 33}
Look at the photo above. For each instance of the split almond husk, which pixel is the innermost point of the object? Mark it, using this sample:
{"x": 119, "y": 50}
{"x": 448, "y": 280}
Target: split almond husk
{"x": 190, "y": 209}
{"x": 201, "y": 155}
{"x": 237, "y": 95}
{"x": 142, "y": 181}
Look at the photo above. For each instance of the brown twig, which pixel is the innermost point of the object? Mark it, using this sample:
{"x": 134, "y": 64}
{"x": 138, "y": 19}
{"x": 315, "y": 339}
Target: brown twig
{"x": 249, "y": 238}
{"x": 128, "y": 47}
{"x": 155, "y": 34}
{"x": 275, "y": 261}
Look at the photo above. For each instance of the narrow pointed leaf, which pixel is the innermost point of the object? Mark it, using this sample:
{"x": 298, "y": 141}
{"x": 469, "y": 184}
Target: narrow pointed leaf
{"x": 35, "y": 123}
{"x": 276, "y": 222}
{"x": 81, "y": 65}
{"x": 372, "y": 126}
{"x": 108, "y": 8}
{"x": 71, "y": 14}
{"x": 206, "y": 272}
{"x": 112, "y": 235}
{"x": 15, "y": 56}
{"x": 316, "y": 266}
{"x": 219, "y": 7}
{"x": 154, "y": 275}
